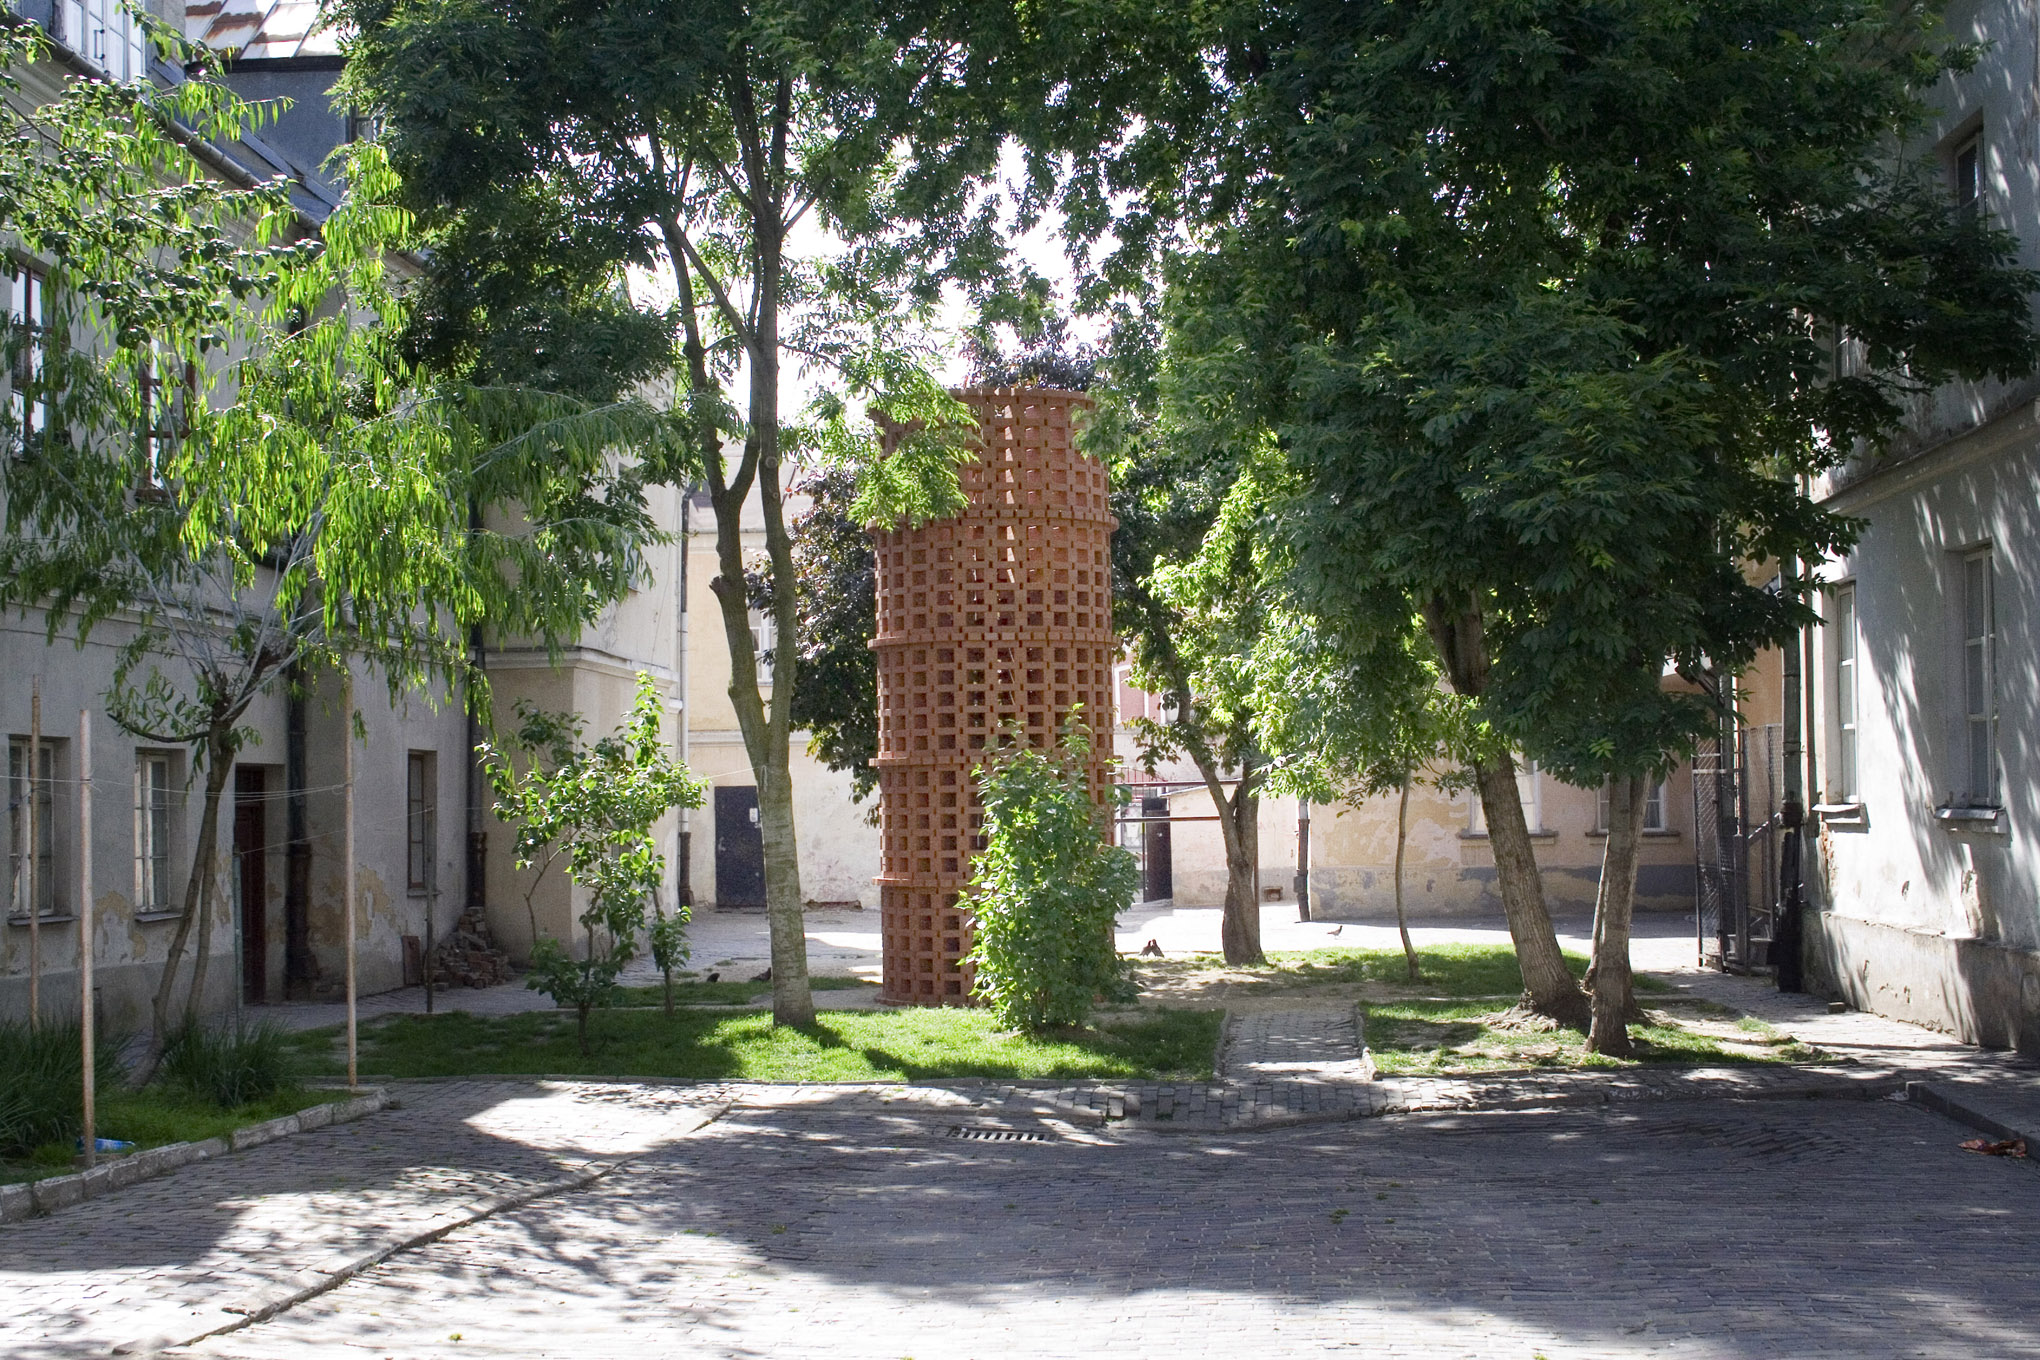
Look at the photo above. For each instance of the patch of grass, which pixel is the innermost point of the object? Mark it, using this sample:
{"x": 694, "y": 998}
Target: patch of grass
{"x": 1446, "y": 969}
{"x": 154, "y": 1116}
{"x": 1431, "y": 1037}
{"x": 231, "y": 1065}
{"x": 726, "y": 993}
{"x": 905, "y": 1045}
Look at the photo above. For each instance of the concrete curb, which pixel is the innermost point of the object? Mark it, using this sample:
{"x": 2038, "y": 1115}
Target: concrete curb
{"x": 1940, "y": 1102}
{"x": 18, "y": 1202}
{"x": 312, "y": 1283}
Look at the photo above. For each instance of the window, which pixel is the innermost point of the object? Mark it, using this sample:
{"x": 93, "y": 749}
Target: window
{"x": 1979, "y": 677}
{"x": 165, "y": 395}
{"x": 21, "y": 785}
{"x": 27, "y": 315}
{"x": 1528, "y": 790}
{"x": 1847, "y": 688}
{"x": 1653, "y": 808}
{"x": 421, "y": 804}
{"x": 1966, "y": 168}
{"x": 764, "y": 637}
{"x": 152, "y": 831}
{"x": 105, "y": 34}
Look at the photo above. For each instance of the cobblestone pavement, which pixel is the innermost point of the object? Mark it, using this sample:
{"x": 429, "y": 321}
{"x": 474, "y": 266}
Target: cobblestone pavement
{"x": 856, "y": 1225}
{"x": 171, "y": 1257}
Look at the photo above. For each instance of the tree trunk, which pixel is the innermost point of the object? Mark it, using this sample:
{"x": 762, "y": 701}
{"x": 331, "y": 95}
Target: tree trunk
{"x": 197, "y": 903}
{"x": 1548, "y": 987}
{"x": 1402, "y": 920}
{"x": 1461, "y": 640}
{"x": 1240, "y": 928}
{"x": 1610, "y": 976}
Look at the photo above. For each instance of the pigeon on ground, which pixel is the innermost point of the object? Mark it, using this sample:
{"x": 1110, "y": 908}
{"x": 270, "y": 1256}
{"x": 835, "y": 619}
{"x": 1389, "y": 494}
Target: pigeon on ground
{"x": 1335, "y": 929}
{"x": 715, "y": 977}
{"x": 765, "y": 976}
{"x": 1152, "y": 949}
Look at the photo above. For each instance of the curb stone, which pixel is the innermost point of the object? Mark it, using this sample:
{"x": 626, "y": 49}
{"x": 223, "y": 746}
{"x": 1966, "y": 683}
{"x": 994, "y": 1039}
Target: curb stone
{"x": 261, "y": 1307}
{"x": 46, "y": 1196}
{"x": 1940, "y": 1102}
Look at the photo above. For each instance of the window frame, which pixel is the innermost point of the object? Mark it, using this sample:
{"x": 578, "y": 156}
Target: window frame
{"x": 1654, "y": 807}
{"x": 1966, "y": 171}
{"x": 51, "y": 881}
{"x": 421, "y": 822}
{"x": 83, "y": 26}
{"x": 1529, "y": 793}
{"x": 30, "y": 313}
{"x": 155, "y": 832}
{"x": 1977, "y": 622}
{"x": 1846, "y": 692}
{"x": 765, "y": 638}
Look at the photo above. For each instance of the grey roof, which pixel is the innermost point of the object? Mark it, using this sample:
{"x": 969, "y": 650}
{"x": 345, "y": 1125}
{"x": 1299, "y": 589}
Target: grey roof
{"x": 262, "y": 30}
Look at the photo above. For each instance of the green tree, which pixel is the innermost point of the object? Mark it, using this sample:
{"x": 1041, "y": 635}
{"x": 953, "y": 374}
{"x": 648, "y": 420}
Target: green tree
{"x": 688, "y": 143}
{"x": 215, "y": 446}
{"x": 1547, "y": 307}
{"x": 1047, "y": 887}
{"x": 835, "y": 678}
{"x": 592, "y": 806}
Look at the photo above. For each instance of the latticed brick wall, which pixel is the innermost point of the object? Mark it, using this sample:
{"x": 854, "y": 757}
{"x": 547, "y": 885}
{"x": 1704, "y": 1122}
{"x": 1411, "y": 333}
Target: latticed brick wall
{"x": 1000, "y": 617}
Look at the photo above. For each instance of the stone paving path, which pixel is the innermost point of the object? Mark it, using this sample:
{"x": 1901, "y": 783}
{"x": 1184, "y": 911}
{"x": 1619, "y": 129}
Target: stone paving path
{"x": 174, "y": 1256}
{"x": 857, "y": 1226}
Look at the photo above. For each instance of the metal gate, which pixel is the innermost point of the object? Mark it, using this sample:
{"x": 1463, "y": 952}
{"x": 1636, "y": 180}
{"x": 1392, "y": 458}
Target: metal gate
{"x": 1738, "y": 823}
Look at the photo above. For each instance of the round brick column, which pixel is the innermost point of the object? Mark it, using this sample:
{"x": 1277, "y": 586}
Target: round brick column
{"x": 1000, "y": 616}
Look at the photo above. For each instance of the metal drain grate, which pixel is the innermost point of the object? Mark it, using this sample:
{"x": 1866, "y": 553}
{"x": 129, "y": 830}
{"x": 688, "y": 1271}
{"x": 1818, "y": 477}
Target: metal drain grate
{"x": 978, "y": 1135}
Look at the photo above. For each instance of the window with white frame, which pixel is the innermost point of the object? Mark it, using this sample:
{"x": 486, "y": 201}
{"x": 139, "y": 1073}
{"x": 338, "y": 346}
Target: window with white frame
{"x": 153, "y": 799}
{"x": 106, "y": 34}
{"x": 765, "y": 639}
{"x": 1848, "y": 690}
{"x": 1653, "y": 808}
{"x": 1529, "y": 791}
{"x": 40, "y": 785}
{"x": 421, "y": 804}
{"x": 27, "y": 316}
{"x": 1979, "y": 677}
{"x": 168, "y": 386}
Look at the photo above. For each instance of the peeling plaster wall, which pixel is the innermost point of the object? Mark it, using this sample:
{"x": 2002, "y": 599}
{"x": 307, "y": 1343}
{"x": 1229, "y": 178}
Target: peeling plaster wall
{"x": 1917, "y": 919}
{"x": 130, "y": 948}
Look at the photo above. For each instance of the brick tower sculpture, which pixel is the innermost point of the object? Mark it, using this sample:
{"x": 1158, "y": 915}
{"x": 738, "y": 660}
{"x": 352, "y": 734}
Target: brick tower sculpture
{"x": 1000, "y": 616}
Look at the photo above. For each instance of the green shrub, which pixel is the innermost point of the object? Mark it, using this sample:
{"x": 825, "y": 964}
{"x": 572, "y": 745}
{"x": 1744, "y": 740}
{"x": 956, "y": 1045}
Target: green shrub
{"x": 42, "y": 1073}
{"x": 1046, "y": 889}
{"x": 230, "y": 1065}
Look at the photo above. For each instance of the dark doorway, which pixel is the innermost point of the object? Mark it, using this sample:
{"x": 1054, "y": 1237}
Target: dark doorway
{"x": 1154, "y": 840}
{"x": 251, "y": 870}
{"x": 739, "y": 849}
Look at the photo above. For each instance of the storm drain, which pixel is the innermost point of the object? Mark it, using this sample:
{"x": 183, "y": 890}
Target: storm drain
{"x": 980, "y": 1135}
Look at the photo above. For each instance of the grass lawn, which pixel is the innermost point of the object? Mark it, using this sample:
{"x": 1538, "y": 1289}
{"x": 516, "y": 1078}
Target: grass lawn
{"x": 1436, "y": 1037}
{"x": 914, "y": 1044}
{"x": 726, "y": 993}
{"x": 1447, "y": 970}
{"x": 153, "y": 1116}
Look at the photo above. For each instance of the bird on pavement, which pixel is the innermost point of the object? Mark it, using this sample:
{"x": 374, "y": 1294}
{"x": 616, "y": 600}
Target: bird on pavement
{"x": 1336, "y": 929}
{"x": 1152, "y": 949}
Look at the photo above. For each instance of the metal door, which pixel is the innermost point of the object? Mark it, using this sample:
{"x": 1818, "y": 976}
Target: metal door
{"x": 739, "y": 848}
{"x": 1154, "y": 839}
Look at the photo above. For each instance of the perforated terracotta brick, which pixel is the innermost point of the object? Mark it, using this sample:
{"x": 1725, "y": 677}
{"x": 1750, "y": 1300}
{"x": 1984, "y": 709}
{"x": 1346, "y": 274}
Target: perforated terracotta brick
{"x": 1001, "y": 615}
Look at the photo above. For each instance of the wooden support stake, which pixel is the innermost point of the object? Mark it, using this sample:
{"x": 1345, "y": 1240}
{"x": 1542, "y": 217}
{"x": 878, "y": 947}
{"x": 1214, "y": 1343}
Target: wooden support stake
{"x": 85, "y": 925}
{"x": 347, "y": 869}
